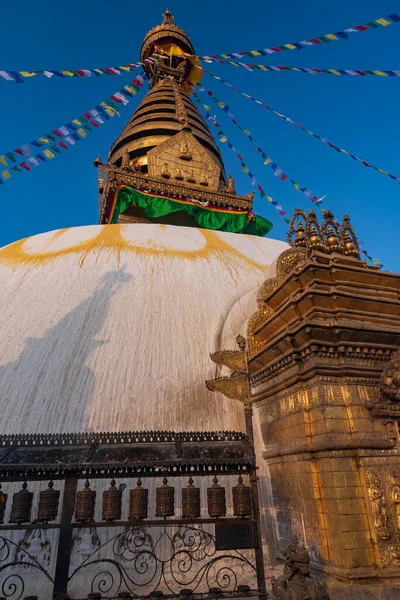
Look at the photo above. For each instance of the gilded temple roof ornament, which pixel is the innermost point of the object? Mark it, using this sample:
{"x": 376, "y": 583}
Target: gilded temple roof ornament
{"x": 328, "y": 238}
{"x": 237, "y": 386}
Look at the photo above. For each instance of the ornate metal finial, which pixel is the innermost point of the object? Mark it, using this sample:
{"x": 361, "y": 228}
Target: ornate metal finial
{"x": 297, "y": 226}
{"x": 168, "y": 18}
{"x": 330, "y": 233}
{"x": 313, "y": 233}
{"x": 230, "y": 188}
{"x": 349, "y": 239}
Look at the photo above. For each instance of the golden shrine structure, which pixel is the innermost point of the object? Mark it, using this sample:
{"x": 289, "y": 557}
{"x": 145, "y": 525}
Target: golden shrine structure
{"x": 134, "y": 466}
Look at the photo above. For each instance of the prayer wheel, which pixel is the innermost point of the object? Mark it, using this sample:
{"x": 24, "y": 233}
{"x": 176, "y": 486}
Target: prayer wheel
{"x": 21, "y": 506}
{"x": 85, "y": 504}
{"x": 190, "y": 501}
{"x": 216, "y": 501}
{"x": 241, "y": 495}
{"x": 165, "y": 500}
{"x": 3, "y": 504}
{"x": 112, "y": 503}
{"x": 138, "y": 502}
{"x": 48, "y": 504}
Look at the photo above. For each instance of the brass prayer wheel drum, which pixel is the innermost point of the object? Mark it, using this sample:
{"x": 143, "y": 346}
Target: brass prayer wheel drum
{"x": 48, "y": 504}
{"x": 112, "y": 503}
{"x": 190, "y": 501}
{"x": 85, "y": 504}
{"x": 241, "y": 496}
{"x": 165, "y": 500}
{"x": 21, "y": 506}
{"x": 216, "y": 500}
{"x": 138, "y": 502}
{"x": 3, "y": 504}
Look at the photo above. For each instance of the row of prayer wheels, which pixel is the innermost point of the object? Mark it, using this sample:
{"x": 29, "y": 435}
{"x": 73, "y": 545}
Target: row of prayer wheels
{"x": 138, "y": 502}
{"x": 21, "y": 508}
{"x": 165, "y": 501}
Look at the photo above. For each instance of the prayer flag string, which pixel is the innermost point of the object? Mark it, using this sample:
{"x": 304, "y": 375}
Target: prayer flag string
{"x": 288, "y": 120}
{"x": 22, "y": 76}
{"x": 67, "y": 135}
{"x": 224, "y": 139}
{"x": 278, "y": 172}
{"x": 314, "y": 41}
{"x": 309, "y": 71}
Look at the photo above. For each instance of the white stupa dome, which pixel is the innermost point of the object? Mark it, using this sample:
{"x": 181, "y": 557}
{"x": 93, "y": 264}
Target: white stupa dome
{"x": 109, "y": 328}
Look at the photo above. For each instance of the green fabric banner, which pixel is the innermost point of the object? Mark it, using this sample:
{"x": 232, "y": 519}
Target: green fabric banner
{"x": 157, "y": 206}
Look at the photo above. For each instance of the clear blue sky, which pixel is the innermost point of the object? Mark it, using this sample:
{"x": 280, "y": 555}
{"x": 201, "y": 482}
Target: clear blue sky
{"x": 358, "y": 114}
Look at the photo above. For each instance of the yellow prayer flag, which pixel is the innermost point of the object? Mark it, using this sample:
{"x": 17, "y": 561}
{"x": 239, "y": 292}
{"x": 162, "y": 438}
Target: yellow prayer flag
{"x": 230, "y": 62}
{"x": 262, "y": 67}
{"x": 69, "y": 73}
{"x": 44, "y": 140}
{"x": 269, "y": 199}
{"x": 3, "y": 160}
{"x": 224, "y": 56}
{"x": 383, "y": 172}
{"x": 77, "y": 122}
{"x": 48, "y": 153}
{"x": 344, "y": 152}
{"x": 255, "y": 53}
{"x": 246, "y": 131}
{"x": 124, "y": 68}
{"x": 334, "y": 72}
{"x": 223, "y": 139}
{"x": 380, "y": 73}
{"x": 383, "y": 22}
{"x": 207, "y": 107}
{"x": 330, "y": 36}
{"x": 296, "y": 185}
{"x": 27, "y": 74}
{"x": 290, "y": 47}
{"x": 6, "y": 174}
{"x": 99, "y": 71}
{"x": 81, "y": 132}
{"x": 246, "y": 95}
{"x": 130, "y": 89}
{"x": 221, "y": 104}
{"x": 268, "y": 161}
{"x": 245, "y": 170}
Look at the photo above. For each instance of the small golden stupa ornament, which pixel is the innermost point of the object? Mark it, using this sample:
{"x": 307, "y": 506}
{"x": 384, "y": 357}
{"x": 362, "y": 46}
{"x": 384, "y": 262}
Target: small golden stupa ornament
{"x": 165, "y": 172}
{"x": 230, "y": 185}
{"x": 348, "y": 239}
{"x": 300, "y": 239}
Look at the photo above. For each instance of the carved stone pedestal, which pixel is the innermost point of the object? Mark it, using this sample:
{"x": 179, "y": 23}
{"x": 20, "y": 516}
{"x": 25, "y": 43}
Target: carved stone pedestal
{"x": 326, "y": 330}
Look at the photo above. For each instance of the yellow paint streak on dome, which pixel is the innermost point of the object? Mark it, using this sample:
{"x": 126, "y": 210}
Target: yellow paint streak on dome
{"x": 109, "y": 238}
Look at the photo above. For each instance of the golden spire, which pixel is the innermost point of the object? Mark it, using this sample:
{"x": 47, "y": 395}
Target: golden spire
{"x": 168, "y": 18}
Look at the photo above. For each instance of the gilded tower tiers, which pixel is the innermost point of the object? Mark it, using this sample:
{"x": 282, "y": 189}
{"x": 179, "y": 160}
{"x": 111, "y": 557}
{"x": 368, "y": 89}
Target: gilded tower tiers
{"x": 166, "y": 151}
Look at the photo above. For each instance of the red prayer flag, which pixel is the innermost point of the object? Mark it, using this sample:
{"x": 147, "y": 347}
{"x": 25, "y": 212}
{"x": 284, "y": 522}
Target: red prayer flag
{"x": 94, "y": 124}
{"x": 25, "y": 166}
{"x": 361, "y": 73}
{"x": 63, "y": 145}
{"x": 116, "y": 98}
{"x": 259, "y": 150}
{"x": 56, "y": 132}
{"x": 282, "y": 213}
{"x": 82, "y": 73}
{"x": 315, "y": 41}
{"x": 276, "y": 49}
{"x": 241, "y": 157}
{"x": 19, "y": 151}
{"x": 284, "y": 176}
{"x": 361, "y": 27}
{"x": 87, "y": 115}
{"x": 259, "y": 188}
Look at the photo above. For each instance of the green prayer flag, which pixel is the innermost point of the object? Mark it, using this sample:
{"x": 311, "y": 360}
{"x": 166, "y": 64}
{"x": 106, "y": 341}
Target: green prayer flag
{"x": 16, "y": 169}
{"x": 56, "y": 149}
{"x": 373, "y": 25}
{"x": 11, "y": 156}
{"x": 50, "y": 137}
